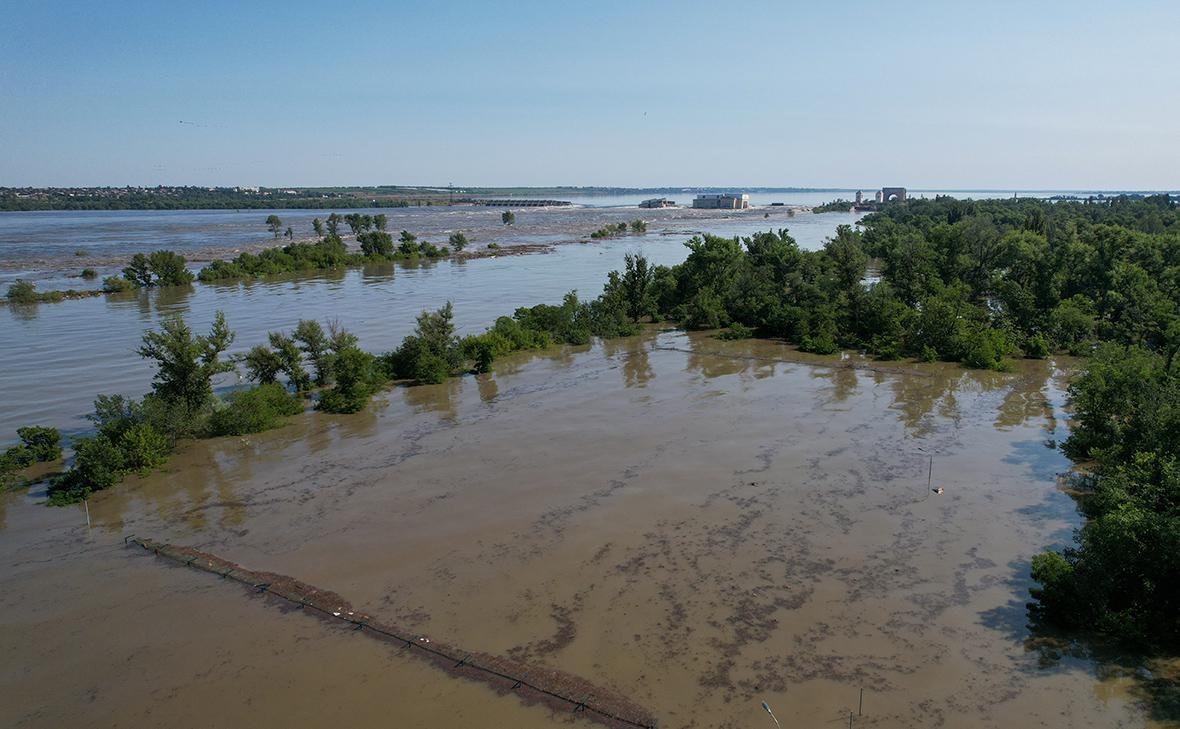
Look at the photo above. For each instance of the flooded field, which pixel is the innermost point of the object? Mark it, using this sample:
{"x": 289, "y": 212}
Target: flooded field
{"x": 698, "y": 525}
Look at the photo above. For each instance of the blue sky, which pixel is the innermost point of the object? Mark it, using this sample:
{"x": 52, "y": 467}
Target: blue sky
{"x": 1005, "y": 95}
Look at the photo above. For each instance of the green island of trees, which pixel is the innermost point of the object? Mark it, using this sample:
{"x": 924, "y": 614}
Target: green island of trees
{"x": 329, "y": 250}
{"x": 618, "y": 229}
{"x": 839, "y": 205}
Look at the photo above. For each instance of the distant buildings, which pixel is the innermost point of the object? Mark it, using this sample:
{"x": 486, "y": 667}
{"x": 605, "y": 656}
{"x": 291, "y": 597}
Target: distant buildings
{"x": 724, "y": 201}
{"x": 882, "y": 196}
{"x": 657, "y": 202}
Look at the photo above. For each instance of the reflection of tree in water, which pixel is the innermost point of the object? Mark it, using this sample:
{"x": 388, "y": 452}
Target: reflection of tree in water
{"x": 1121, "y": 672}
{"x": 914, "y": 399}
{"x": 150, "y": 303}
{"x": 844, "y": 382}
{"x": 377, "y": 273}
{"x": 1026, "y": 398}
{"x": 637, "y": 371}
{"x": 703, "y": 357}
{"x": 488, "y": 389}
{"x": 25, "y": 312}
{"x": 440, "y": 398}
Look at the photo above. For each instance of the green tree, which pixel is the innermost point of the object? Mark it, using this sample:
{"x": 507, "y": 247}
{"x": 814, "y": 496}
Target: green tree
{"x": 638, "y": 278}
{"x": 290, "y": 361}
{"x": 138, "y": 271}
{"x": 274, "y": 224}
{"x": 457, "y": 241}
{"x": 408, "y": 244}
{"x": 508, "y": 217}
{"x": 262, "y": 364}
{"x": 314, "y": 342}
{"x": 318, "y": 226}
{"x": 186, "y": 364}
{"x": 169, "y": 269}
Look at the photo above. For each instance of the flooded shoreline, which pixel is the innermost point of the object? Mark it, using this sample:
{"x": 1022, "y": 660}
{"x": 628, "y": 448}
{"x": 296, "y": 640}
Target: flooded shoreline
{"x": 693, "y": 523}
{"x": 51, "y": 248}
{"x": 63, "y": 354}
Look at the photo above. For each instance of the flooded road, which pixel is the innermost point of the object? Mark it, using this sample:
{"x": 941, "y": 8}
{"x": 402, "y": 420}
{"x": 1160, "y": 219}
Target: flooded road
{"x": 689, "y": 522}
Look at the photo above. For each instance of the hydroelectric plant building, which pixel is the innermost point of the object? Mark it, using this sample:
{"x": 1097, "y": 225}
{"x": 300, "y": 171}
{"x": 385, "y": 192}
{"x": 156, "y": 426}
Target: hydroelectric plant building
{"x": 724, "y": 201}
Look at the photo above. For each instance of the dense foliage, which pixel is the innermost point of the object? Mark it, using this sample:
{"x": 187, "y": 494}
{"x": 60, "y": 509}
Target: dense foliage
{"x": 38, "y": 445}
{"x": 328, "y": 251}
{"x": 254, "y": 410}
{"x": 162, "y": 268}
{"x": 622, "y": 228}
{"x": 1123, "y": 576}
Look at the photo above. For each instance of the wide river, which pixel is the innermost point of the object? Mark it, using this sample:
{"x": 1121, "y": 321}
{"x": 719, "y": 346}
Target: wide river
{"x": 696, "y": 525}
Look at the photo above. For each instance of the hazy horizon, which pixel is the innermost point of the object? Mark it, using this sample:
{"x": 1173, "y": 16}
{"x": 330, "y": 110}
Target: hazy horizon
{"x": 1062, "y": 96}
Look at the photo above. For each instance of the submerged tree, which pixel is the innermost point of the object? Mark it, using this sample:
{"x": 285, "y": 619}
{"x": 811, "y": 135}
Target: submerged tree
{"x": 274, "y": 224}
{"x": 314, "y": 343}
{"x": 637, "y": 280}
{"x": 186, "y": 364}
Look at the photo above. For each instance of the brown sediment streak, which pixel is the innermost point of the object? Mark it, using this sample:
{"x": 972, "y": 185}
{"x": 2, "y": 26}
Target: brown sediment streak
{"x": 840, "y": 365}
{"x": 534, "y": 684}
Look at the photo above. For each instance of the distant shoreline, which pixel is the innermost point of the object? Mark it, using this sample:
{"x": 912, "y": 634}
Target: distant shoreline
{"x": 32, "y": 199}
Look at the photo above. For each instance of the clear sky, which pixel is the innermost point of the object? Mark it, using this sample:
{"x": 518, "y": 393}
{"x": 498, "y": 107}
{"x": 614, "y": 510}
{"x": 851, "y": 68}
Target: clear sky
{"x": 982, "y": 94}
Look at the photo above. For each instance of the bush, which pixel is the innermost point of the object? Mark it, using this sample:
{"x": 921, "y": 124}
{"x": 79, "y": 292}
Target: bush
{"x": 356, "y": 379}
{"x": 98, "y": 465}
{"x": 89, "y": 274}
{"x": 482, "y": 350}
{"x": 431, "y": 369}
{"x": 143, "y": 448}
{"x": 1036, "y": 347}
{"x": 985, "y": 349}
{"x": 254, "y": 410}
{"x": 23, "y": 292}
{"x": 928, "y": 354}
{"x": 17, "y": 457}
{"x": 117, "y": 285}
{"x": 457, "y": 242}
{"x": 819, "y": 344}
{"x": 885, "y": 348}
{"x": 43, "y": 443}
{"x": 735, "y": 332}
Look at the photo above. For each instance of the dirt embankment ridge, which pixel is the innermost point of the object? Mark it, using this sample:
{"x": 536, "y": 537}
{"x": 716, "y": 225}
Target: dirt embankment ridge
{"x": 534, "y": 684}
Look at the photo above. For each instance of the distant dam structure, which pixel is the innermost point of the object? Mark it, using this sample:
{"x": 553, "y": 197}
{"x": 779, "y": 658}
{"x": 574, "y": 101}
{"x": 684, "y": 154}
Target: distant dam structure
{"x": 522, "y": 203}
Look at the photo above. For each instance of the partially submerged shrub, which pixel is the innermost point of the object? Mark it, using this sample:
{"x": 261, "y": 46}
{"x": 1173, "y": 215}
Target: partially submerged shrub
{"x": 1036, "y": 347}
{"x": 357, "y": 377}
{"x": 23, "y": 292}
{"x": 89, "y": 274}
{"x": 43, "y": 443}
{"x": 254, "y": 410}
{"x": 117, "y": 284}
{"x": 735, "y": 332}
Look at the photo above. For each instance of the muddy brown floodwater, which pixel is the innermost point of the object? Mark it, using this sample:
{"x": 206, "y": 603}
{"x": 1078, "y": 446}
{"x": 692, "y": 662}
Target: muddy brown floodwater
{"x": 691, "y": 523}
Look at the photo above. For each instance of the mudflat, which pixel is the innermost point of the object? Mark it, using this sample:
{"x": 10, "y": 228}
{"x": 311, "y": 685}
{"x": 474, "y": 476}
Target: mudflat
{"x": 697, "y": 525}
